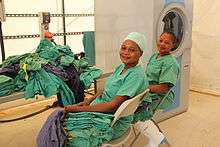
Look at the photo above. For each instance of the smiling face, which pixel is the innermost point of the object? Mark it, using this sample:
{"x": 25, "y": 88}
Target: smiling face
{"x": 165, "y": 43}
{"x": 130, "y": 53}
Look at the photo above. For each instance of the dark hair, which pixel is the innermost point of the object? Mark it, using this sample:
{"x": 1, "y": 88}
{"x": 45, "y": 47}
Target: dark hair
{"x": 172, "y": 34}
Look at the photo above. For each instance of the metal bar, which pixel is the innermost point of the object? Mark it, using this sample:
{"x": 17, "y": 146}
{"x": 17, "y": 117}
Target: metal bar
{"x": 21, "y": 36}
{"x": 68, "y": 33}
{"x": 2, "y": 43}
{"x": 71, "y": 15}
{"x": 64, "y": 22}
{"x": 37, "y": 35}
{"x": 51, "y": 15}
{"x": 21, "y": 15}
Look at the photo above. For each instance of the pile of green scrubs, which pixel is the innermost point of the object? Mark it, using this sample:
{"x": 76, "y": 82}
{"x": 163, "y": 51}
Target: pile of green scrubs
{"x": 6, "y": 85}
{"x": 89, "y": 74}
{"x": 34, "y": 80}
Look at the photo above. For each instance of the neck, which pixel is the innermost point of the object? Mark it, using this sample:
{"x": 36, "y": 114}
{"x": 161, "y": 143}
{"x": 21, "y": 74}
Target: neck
{"x": 127, "y": 66}
{"x": 163, "y": 54}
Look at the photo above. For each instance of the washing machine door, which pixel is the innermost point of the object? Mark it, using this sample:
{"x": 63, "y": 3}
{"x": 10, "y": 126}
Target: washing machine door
{"x": 174, "y": 18}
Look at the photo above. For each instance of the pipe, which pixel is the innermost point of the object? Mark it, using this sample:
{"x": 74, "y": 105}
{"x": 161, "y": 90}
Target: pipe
{"x": 64, "y": 22}
{"x": 2, "y": 43}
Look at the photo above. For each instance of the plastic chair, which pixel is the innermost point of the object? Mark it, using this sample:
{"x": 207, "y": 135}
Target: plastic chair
{"x": 127, "y": 108}
{"x": 155, "y": 127}
{"x": 131, "y": 135}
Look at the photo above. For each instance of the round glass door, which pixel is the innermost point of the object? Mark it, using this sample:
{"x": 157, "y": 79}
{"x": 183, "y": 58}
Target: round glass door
{"x": 173, "y": 20}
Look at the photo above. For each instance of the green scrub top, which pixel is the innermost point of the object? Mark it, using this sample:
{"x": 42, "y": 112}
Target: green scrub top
{"x": 160, "y": 70}
{"x": 131, "y": 83}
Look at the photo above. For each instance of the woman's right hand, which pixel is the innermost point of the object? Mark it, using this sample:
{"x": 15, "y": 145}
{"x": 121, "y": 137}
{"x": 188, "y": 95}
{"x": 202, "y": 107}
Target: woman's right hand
{"x": 86, "y": 102}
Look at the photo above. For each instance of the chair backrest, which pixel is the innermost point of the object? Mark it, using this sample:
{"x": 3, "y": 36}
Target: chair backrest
{"x": 129, "y": 106}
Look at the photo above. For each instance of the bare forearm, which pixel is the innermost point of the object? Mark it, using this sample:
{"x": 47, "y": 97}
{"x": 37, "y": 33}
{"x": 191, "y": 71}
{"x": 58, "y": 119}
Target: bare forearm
{"x": 102, "y": 107}
{"x": 160, "y": 88}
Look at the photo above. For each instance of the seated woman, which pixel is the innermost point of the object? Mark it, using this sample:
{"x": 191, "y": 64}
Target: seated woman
{"x": 88, "y": 123}
{"x": 162, "y": 73}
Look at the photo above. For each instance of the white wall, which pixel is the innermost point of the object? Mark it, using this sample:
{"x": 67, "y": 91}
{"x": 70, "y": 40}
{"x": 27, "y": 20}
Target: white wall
{"x": 30, "y": 25}
{"x": 114, "y": 20}
{"x": 205, "y": 69}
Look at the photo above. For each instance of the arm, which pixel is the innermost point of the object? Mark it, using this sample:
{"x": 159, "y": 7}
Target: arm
{"x": 167, "y": 79}
{"x": 160, "y": 88}
{"x": 111, "y": 106}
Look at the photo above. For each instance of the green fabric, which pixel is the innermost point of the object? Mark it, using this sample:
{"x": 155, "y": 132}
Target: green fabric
{"x": 66, "y": 55}
{"x": 88, "y": 129}
{"x": 139, "y": 39}
{"x": 88, "y": 76}
{"x": 6, "y": 85}
{"x": 47, "y": 84}
{"x": 66, "y": 60}
{"x": 89, "y": 46}
{"x": 14, "y": 59}
{"x": 128, "y": 84}
{"x": 47, "y": 50}
{"x": 163, "y": 70}
{"x": 91, "y": 129}
{"x": 20, "y": 82}
{"x": 51, "y": 52}
{"x": 34, "y": 62}
{"x": 81, "y": 65}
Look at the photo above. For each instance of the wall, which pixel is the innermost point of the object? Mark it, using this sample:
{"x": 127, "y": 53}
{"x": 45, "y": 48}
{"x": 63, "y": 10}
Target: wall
{"x": 30, "y": 25}
{"x": 113, "y": 21}
{"x": 205, "y": 67}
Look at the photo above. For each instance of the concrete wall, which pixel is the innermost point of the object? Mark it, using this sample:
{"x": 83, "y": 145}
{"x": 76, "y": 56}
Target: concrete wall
{"x": 113, "y": 21}
{"x": 205, "y": 69}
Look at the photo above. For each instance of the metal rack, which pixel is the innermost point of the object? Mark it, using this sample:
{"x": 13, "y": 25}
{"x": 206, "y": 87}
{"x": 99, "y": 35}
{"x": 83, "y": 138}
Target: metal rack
{"x": 51, "y": 15}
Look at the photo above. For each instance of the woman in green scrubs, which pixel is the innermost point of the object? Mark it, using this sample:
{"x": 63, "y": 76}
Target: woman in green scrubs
{"x": 128, "y": 80}
{"x": 162, "y": 73}
{"x": 163, "y": 70}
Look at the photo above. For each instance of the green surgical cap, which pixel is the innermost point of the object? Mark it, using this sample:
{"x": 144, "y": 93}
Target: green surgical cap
{"x": 137, "y": 38}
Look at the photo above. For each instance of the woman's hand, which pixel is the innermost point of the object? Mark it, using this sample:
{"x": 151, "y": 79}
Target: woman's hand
{"x": 86, "y": 101}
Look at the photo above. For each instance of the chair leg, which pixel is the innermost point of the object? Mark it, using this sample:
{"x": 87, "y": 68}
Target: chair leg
{"x": 165, "y": 140}
{"x": 137, "y": 134}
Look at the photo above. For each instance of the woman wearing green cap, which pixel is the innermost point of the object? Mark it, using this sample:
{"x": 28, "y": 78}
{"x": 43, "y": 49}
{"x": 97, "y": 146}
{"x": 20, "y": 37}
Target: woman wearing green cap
{"x": 126, "y": 81}
{"x": 88, "y": 122}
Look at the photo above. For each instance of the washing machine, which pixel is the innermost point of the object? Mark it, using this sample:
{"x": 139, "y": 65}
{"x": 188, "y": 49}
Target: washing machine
{"x": 115, "y": 19}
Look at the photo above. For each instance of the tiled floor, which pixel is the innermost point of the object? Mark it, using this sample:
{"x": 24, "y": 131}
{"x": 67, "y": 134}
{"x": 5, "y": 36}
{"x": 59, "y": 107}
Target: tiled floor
{"x": 198, "y": 127}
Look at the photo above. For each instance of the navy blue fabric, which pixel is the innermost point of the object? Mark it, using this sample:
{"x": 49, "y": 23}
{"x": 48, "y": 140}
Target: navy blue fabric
{"x": 52, "y": 134}
{"x": 10, "y": 71}
{"x": 75, "y": 84}
{"x": 70, "y": 76}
